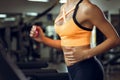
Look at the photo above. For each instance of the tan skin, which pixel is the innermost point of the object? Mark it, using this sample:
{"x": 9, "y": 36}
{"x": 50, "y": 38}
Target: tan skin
{"x": 88, "y": 15}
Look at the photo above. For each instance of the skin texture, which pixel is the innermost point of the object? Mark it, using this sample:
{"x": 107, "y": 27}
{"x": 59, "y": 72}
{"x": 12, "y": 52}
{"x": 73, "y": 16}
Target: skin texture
{"x": 88, "y": 15}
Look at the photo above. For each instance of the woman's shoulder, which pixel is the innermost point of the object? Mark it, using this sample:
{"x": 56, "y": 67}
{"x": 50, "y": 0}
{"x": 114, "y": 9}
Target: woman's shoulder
{"x": 91, "y": 8}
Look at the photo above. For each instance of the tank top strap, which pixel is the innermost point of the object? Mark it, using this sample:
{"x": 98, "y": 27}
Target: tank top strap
{"x": 76, "y": 8}
{"x": 75, "y": 20}
{"x": 66, "y": 13}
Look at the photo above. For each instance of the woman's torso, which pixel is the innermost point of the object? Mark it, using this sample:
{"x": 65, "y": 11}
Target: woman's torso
{"x": 65, "y": 17}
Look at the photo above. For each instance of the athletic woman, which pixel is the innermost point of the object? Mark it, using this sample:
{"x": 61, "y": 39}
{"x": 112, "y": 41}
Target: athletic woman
{"x": 74, "y": 25}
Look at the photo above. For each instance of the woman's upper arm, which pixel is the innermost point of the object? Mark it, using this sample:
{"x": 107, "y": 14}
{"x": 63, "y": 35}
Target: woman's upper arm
{"x": 98, "y": 19}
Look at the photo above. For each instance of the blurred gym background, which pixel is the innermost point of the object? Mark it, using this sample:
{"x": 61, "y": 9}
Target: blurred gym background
{"x": 22, "y": 58}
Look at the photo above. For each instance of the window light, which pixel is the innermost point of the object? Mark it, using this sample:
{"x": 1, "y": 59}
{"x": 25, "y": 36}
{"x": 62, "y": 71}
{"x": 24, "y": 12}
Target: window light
{"x": 10, "y": 19}
{"x": 32, "y": 14}
{"x": 39, "y": 0}
{"x": 62, "y": 1}
{"x": 3, "y": 15}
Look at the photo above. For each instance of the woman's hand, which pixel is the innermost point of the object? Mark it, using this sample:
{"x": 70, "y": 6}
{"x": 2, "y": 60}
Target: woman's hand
{"x": 73, "y": 56}
{"x": 37, "y": 33}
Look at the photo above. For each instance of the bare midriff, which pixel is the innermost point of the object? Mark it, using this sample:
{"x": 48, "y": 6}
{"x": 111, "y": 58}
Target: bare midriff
{"x": 74, "y": 50}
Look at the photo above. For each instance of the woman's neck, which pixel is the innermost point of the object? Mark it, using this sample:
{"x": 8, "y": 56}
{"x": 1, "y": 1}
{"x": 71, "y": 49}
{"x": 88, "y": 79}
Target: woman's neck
{"x": 69, "y": 1}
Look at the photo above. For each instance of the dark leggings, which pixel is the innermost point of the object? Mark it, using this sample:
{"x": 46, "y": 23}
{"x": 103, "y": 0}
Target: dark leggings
{"x": 89, "y": 69}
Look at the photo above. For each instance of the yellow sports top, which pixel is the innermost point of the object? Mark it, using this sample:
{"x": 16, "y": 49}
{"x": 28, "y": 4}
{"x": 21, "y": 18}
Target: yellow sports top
{"x": 72, "y": 33}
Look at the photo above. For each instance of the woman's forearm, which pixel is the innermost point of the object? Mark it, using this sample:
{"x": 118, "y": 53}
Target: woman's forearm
{"x": 103, "y": 47}
{"x": 52, "y": 43}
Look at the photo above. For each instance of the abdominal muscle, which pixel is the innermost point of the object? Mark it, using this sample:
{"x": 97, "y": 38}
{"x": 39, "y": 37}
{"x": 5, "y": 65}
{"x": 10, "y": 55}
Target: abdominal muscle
{"x": 73, "y": 50}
